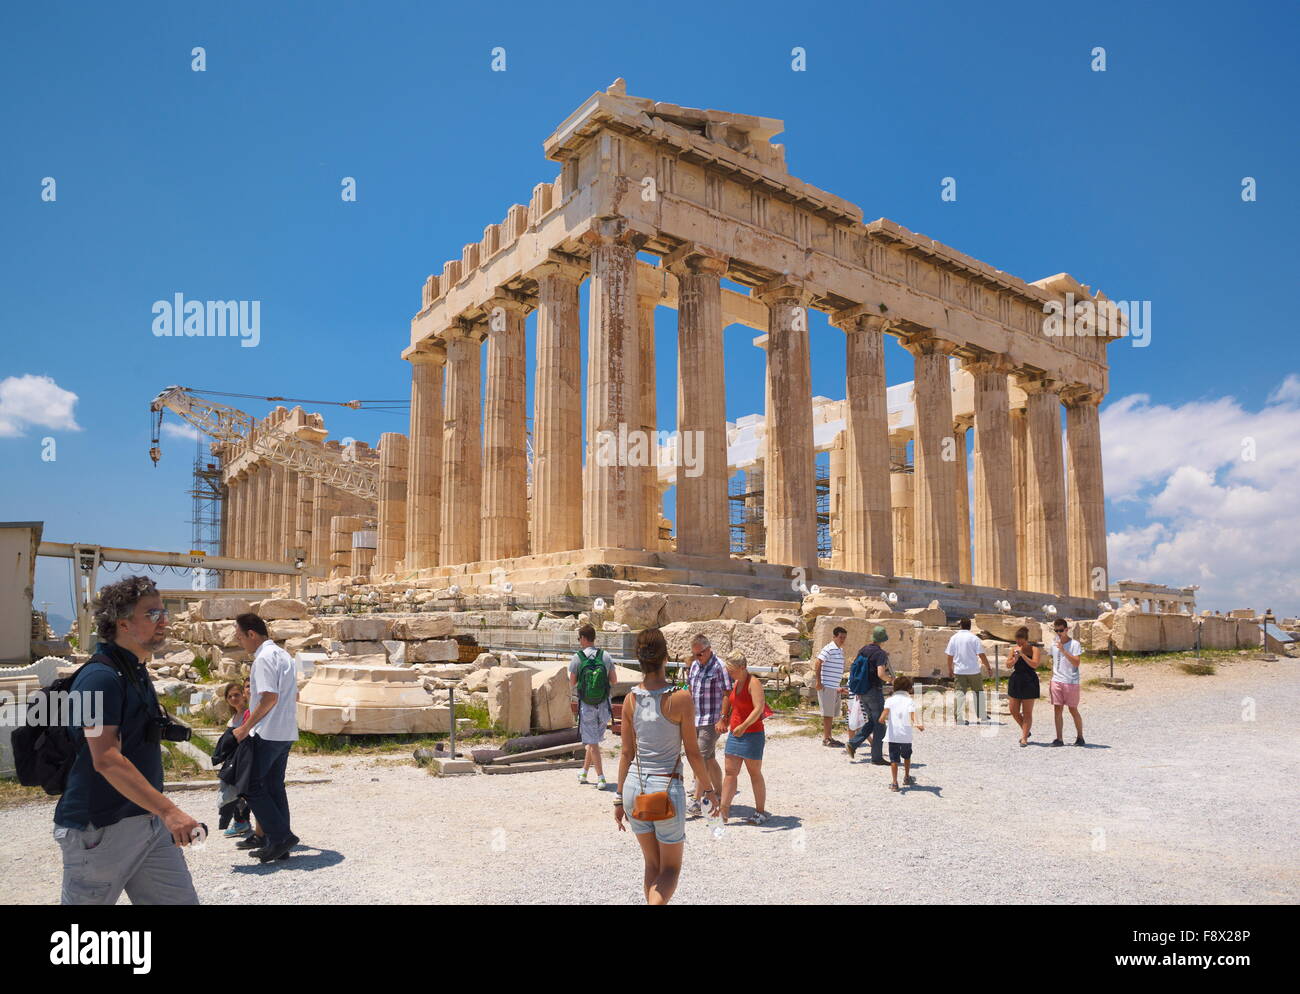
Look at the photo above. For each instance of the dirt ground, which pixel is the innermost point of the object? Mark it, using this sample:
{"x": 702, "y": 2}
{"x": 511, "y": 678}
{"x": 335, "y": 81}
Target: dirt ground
{"x": 1186, "y": 792}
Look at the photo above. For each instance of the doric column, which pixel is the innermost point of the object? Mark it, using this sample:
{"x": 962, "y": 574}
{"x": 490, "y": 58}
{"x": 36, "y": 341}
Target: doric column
{"x": 934, "y": 458}
{"x": 836, "y": 481}
{"x": 264, "y": 517}
{"x": 248, "y": 520}
{"x": 754, "y": 533}
{"x": 557, "y": 411}
{"x": 288, "y": 512}
{"x": 612, "y": 496}
{"x": 961, "y": 507}
{"x": 868, "y": 528}
{"x": 790, "y": 494}
{"x": 424, "y": 461}
{"x": 902, "y": 510}
{"x": 1087, "y": 514}
{"x": 230, "y": 531}
{"x": 394, "y": 459}
{"x": 462, "y": 466}
{"x": 995, "y": 515}
{"x": 652, "y": 502}
{"x": 505, "y": 431}
{"x": 303, "y": 524}
{"x": 703, "y": 524}
{"x": 1045, "y": 553}
{"x": 324, "y": 508}
{"x": 1019, "y": 492}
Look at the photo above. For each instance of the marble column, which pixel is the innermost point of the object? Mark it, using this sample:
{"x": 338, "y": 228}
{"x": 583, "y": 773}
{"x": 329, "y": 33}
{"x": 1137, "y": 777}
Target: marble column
{"x": 394, "y": 465}
{"x": 1087, "y": 511}
{"x": 264, "y": 518}
{"x": 1045, "y": 534}
{"x": 612, "y": 499}
{"x": 902, "y": 512}
{"x": 934, "y": 459}
{"x": 995, "y": 513}
{"x": 324, "y": 508}
{"x": 557, "y": 411}
{"x": 790, "y": 494}
{"x": 424, "y": 461}
{"x": 505, "y": 432}
{"x": 230, "y": 532}
{"x": 961, "y": 507}
{"x": 868, "y": 524}
{"x": 652, "y": 506}
{"x": 288, "y": 513}
{"x": 248, "y": 515}
{"x": 303, "y": 523}
{"x": 703, "y": 522}
{"x": 754, "y": 534}
{"x": 1019, "y": 492}
{"x": 836, "y": 480}
{"x": 462, "y": 468}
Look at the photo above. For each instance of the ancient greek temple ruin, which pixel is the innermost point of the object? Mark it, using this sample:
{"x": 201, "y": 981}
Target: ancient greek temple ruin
{"x": 707, "y": 194}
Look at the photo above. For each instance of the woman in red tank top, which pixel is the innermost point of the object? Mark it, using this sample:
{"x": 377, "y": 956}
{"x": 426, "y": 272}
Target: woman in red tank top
{"x": 743, "y": 710}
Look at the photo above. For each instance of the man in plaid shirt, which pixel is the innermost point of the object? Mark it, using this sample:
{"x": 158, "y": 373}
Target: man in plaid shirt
{"x": 709, "y": 685}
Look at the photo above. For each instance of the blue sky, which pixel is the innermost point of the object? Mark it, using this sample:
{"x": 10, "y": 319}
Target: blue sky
{"x": 225, "y": 184}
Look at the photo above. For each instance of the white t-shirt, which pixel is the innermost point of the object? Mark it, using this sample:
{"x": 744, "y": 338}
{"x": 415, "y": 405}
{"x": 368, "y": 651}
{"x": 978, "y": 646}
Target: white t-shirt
{"x": 1064, "y": 671}
{"x": 965, "y": 648}
{"x": 832, "y": 657}
{"x": 898, "y": 727}
{"x": 274, "y": 671}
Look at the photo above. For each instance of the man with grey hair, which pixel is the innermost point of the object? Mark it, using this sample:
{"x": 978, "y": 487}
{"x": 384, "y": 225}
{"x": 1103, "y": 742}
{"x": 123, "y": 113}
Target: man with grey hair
{"x": 116, "y": 828}
{"x": 709, "y": 685}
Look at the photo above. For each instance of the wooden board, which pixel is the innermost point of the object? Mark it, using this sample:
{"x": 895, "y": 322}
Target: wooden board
{"x": 545, "y": 764}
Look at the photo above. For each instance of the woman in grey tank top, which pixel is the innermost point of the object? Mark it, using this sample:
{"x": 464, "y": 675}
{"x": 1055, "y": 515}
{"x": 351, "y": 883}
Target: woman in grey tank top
{"x": 658, "y": 724}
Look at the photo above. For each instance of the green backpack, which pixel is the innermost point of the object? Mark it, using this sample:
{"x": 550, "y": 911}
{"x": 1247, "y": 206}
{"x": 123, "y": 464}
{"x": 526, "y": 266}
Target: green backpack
{"x": 593, "y": 679}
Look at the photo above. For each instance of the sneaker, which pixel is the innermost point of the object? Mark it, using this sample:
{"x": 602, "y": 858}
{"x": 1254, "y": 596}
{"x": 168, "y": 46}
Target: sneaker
{"x": 833, "y": 744}
{"x": 237, "y": 829}
{"x": 1057, "y": 742}
{"x": 582, "y": 777}
{"x": 693, "y": 810}
{"x": 601, "y": 783}
{"x": 909, "y": 780}
{"x": 880, "y": 762}
{"x": 252, "y": 842}
{"x": 850, "y": 749}
{"x": 1079, "y": 741}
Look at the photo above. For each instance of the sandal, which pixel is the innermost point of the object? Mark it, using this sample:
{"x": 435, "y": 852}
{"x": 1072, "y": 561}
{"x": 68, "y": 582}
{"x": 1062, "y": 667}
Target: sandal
{"x": 757, "y": 818}
{"x": 894, "y": 787}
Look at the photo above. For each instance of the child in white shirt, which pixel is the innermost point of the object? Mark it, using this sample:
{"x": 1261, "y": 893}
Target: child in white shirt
{"x": 897, "y": 719}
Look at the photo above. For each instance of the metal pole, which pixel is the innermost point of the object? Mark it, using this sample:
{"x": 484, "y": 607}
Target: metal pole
{"x": 997, "y": 669}
{"x": 1110, "y": 644}
{"x": 451, "y": 700}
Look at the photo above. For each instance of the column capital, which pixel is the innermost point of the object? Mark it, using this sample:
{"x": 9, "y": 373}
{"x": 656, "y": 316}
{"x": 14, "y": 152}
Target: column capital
{"x": 558, "y": 264}
{"x": 963, "y": 421}
{"x": 692, "y": 259}
{"x": 428, "y": 350}
{"x": 784, "y": 289}
{"x": 989, "y": 362}
{"x": 510, "y": 300}
{"x": 926, "y": 343}
{"x": 1035, "y": 383}
{"x": 620, "y": 231}
{"x": 1078, "y": 395}
{"x": 465, "y": 329}
{"x": 859, "y": 318}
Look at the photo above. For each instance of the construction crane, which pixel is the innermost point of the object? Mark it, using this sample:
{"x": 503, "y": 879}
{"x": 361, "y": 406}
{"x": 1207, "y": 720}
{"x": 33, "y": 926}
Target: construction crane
{"x": 231, "y": 426}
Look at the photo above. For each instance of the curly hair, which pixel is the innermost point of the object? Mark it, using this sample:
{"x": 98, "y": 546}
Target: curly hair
{"x": 118, "y": 601}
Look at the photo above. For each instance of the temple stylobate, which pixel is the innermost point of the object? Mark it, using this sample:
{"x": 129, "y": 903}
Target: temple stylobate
{"x": 709, "y": 195}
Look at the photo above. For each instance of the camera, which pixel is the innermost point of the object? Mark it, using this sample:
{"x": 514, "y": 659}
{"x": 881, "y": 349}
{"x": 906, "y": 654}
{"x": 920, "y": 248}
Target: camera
{"x": 164, "y": 727}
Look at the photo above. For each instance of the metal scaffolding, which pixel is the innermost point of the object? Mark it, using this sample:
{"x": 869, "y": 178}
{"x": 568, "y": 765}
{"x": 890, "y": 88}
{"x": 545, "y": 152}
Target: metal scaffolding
{"x": 207, "y": 497}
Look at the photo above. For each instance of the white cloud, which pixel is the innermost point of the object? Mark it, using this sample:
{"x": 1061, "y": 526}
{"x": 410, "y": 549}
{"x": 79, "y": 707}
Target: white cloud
{"x": 1218, "y": 485}
{"x": 35, "y": 400}
{"x": 173, "y": 430}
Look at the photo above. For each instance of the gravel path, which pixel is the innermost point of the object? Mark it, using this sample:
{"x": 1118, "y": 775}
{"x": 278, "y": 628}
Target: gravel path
{"x": 1178, "y": 798}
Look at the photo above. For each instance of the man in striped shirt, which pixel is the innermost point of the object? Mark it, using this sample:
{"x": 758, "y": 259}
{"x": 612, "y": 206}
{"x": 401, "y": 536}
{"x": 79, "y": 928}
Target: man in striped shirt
{"x": 828, "y": 671}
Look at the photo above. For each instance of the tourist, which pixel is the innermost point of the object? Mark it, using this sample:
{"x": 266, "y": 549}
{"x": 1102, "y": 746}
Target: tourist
{"x": 867, "y": 679}
{"x": 1022, "y": 686}
{"x": 272, "y": 723}
{"x": 113, "y": 802}
{"x": 1064, "y": 688}
{"x": 828, "y": 671}
{"x": 709, "y": 684}
{"x": 897, "y": 720}
{"x": 966, "y": 655}
{"x": 658, "y": 722}
{"x": 744, "y": 711}
{"x": 228, "y": 797}
{"x": 591, "y": 675}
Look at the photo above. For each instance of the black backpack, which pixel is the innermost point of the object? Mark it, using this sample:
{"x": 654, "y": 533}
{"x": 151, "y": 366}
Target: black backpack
{"x": 44, "y": 753}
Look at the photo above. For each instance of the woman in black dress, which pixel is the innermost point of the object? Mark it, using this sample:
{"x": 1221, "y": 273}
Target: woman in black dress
{"x": 1022, "y": 688}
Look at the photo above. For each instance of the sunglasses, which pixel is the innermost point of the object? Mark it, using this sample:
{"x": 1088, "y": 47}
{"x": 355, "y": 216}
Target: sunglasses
{"x": 156, "y": 614}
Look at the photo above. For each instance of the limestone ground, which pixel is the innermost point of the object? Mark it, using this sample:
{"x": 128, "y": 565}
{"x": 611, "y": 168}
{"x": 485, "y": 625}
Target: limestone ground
{"x": 1186, "y": 793}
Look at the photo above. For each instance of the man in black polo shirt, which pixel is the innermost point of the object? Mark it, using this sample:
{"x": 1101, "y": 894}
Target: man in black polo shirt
{"x": 117, "y": 830}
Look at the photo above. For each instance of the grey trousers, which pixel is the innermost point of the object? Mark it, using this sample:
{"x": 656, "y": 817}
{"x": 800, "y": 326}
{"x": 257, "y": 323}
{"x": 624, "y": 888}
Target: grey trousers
{"x": 136, "y": 854}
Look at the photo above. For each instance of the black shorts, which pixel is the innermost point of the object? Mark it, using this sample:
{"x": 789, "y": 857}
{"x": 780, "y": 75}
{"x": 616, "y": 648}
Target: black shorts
{"x": 899, "y": 751}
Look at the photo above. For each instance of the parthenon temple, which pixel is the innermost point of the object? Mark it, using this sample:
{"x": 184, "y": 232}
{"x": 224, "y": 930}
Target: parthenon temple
{"x": 735, "y": 239}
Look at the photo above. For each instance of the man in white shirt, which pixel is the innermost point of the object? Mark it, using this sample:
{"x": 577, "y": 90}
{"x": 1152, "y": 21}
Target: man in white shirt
{"x": 965, "y": 654}
{"x": 273, "y": 725}
{"x": 1064, "y": 688}
{"x": 828, "y": 671}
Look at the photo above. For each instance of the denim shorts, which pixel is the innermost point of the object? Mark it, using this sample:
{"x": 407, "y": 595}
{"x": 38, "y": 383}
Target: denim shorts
{"x": 670, "y": 830}
{"x": 747, "y": 746}
{"x": 899, "y": 751}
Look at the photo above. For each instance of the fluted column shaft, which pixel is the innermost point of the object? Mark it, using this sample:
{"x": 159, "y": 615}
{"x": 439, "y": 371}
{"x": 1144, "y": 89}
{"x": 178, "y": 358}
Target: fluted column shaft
{"x": 934, "y": 458}
{"x": 961, "y": 506}
{"x": 1089, "y": 575}
{"x": 230, "y": 534}
{"x": 995, "y": 515}
{"x": 394, "y": 460}
{"x": 652, "y": 501}
{"x": 324, "y": 508}
{"x": 462, "y": 448}
{"x": 303, "y": 523}
{"x": 424, "y": 462}
{"x": 613, "y": 499}
{"x": 1045, "y": 535}
{"x": 505, "y": 433}
{"x": 265, "y": 517}
{"x": 868, "y": 517}
{"x": 1019, "y": 492}
{"x": 903, "y": 513}
{"x": 557, "y": 417}
{"x": 703, "y": 523}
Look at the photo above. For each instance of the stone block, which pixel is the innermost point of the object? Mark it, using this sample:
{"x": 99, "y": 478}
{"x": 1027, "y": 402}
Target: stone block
{"x": 219, "y": 608}
{"x": 1218, "y": 633}
{"x": 901, "y": 631}
{"x": 1134, "y": 632}
{"x": 678, "y": 635}
{"x": 692, "y": 607}
{"x": 760, "y": 645}
{"x": 1003, "y": 627}
{"x": 1093, "y": 635}
{"x": 428, "y": 626}
{"x": 432, "y": 651}
{"x": 551, "y": 710}
{"x": 1248, "y": 634}
{"x": 842, "y": 606}
{"x": 928, "y": 657}
{"x": 932, "y": 617}
{"x": 476, "y": 681}
{"x": 1177, "y": 632}
{"x": 485, "y": 660}
{"x": 365, "y": 649}
{"x": 639, "y": 609}
{"x": 746, "y": 608}
{"x": 289, "y": 629}
{"x": 396, "y": 650}
{"x": 510, "y": 698}
{"x": 363, "y": 629}
{"x": 280, "y": 609}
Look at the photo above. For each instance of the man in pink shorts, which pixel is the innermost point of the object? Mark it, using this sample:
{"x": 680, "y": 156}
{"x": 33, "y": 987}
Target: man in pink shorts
{"x": 1065, "y": 679}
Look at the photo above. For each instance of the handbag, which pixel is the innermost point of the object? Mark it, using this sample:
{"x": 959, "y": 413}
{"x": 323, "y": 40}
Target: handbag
{"x": 856, "y": 718}
{"x": 657, "y": 806}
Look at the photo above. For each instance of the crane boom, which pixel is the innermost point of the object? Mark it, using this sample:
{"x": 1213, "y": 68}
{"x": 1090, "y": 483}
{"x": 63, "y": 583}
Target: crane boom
{"x": 232, "y": 426}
